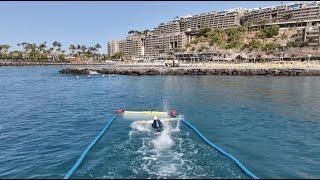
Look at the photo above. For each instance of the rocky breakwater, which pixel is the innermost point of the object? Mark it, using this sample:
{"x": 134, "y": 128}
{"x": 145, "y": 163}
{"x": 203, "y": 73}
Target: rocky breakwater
{"x": 194, "y": 71}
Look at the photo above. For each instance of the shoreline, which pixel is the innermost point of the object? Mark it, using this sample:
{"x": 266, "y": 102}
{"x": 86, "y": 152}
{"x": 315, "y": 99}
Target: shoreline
{"x": 276, "y": 68}
{"x": 23, "y": 63}
{"x": 239, "y": 69}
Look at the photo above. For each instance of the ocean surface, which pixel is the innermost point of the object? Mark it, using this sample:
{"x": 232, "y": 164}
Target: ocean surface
{"x": 271, "y": 124}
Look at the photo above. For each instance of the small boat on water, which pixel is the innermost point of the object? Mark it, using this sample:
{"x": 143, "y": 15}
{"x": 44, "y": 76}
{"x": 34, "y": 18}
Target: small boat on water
{"x": 93, "y": 72}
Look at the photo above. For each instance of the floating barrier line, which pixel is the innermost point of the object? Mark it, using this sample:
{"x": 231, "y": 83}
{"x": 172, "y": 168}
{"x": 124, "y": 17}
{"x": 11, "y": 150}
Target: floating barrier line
{"x": 77, "y": 164}
{"x": 238, "y": 163}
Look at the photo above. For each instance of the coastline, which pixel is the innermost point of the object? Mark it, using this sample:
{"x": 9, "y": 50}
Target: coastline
{"x": 24, "y": 63}
{"x": 237, "y": 69}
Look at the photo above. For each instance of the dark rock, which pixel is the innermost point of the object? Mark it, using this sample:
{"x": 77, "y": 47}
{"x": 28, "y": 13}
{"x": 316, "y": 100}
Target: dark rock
{"x": 178, "y": 71}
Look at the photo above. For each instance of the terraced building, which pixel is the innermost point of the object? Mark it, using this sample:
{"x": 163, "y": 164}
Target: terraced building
{"x": 171, "y": 37}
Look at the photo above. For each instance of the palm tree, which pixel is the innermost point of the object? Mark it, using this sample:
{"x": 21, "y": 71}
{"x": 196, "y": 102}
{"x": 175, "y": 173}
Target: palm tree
{"x": 42, "y": 48}
{"x": 25, "y": 48}
{"x": 72, "y": 48}
{"x": 97, "y": 47}
{"x": 54, "y": 55}
{"x": 90, "y": 51}
{"x": 77, "y": 51}
{"x": 34, "y": 52}
{"x": 62, "y": 55}
{"x": 83, "y": 48}
{"x": 57, "y": 48}
{"x": 50, "y": 52}
{"x": 19, "y": 44}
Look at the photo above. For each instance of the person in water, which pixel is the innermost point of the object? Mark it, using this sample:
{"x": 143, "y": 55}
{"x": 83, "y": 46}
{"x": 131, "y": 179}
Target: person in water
{"x": 157, "y": 124}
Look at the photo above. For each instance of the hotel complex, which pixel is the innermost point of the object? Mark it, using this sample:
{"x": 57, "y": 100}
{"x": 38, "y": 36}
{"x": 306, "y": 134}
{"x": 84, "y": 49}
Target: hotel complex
{"x": 171, "y": 37}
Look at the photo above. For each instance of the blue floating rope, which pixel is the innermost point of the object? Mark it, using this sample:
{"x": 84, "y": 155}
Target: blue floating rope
{"x": 77, "y": 164}
{"x": 223, "y": 152}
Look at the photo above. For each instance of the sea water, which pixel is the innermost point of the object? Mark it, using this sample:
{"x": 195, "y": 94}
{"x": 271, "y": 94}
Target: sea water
{"x": 271, "y": 124}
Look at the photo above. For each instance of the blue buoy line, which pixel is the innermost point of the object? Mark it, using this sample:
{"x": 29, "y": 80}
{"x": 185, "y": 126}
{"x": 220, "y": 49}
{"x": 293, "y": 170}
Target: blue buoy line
{"x": 238, "y": 163}
{"x": 77, "y": 164}
{"x": 220, "y": 150}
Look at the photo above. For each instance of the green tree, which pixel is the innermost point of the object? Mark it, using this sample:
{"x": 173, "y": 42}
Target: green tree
{"x": 188, "y": 45}
{"x": 271, "y": 46}
{"x": 97, "y": 47}
{"x": 83, "y": 49}
{"x": 56, "y": 50}
{"x": 270, "y": 32}
{"x": 233, "y": 38}
{"x": 217, "y": 36}
{"x": 117, "y": 55}
{"x": 202, "y": 48}
{"x": 297, "y": 43}
{"x": 72, "y": 48}
{"x": 195, "y": 41}
{"x": 204, "y": 31}
{"x": 15, "y": 55}
{"x": 4, "y": 49}
{"x": 42, "y": 50}
{"x": 255, "y": 44}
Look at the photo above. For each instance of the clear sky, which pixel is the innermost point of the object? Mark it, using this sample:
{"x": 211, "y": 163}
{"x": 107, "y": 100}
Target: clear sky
{"x": 96, "y": 22}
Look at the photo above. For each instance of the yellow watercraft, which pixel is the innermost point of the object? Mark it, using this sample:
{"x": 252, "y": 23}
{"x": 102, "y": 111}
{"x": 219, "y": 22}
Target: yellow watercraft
{"x": 146, "y": 115}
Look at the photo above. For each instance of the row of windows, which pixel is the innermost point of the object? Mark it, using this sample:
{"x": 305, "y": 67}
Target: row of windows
{"x": 299, "y": 11}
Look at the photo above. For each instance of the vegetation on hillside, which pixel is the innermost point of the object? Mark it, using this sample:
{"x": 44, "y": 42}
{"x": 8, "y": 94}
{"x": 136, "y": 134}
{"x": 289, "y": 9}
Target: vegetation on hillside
{"x": 233, "y": 40}
{"x": 242, "y": 39}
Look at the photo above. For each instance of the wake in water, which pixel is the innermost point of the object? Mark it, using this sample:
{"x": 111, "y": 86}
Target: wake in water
{"x": 172, "y": 154}
{"x": 163, "y": 140}
{"x": 159, "y": 159}
{"x": 145, "y": 153}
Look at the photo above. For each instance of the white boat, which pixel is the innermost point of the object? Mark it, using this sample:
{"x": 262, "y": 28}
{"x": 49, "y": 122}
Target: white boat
{"x": 93, "y": 72}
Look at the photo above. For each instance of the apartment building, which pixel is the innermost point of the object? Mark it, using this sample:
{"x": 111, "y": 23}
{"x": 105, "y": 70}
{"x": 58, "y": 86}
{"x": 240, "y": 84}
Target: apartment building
{"x": 312, "y": 35}
{"x": 113, "y": 46}
{"x": 283, "y": 14}
{"x": 223, "y": 19}
{"x": 173, "y": 35}
{"x": 299, "y": 15}
{"x": 157, "y": 45}
{"x": 132, "y": 46}
{"x": 170, "y": 27}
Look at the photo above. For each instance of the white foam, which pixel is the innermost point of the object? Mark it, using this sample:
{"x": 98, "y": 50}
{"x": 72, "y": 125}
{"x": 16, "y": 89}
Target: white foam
{"x": 164, "y": 141}
{"x": 161, "y": 154}
{"x": 141, "y": 127}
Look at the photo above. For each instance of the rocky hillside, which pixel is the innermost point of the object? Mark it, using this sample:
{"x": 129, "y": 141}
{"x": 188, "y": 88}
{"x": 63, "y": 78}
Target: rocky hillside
{"x": 268, "y": 41}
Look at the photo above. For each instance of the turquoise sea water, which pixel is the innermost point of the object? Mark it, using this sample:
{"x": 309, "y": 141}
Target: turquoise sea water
{"x": 271, "y": 124}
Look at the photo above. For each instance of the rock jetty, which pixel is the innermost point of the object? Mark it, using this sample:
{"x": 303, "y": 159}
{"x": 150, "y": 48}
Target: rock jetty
{"x": 193, "y": 71}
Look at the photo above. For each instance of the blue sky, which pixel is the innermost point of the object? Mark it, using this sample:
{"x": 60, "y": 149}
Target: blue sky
{"x": 96, "y": 22}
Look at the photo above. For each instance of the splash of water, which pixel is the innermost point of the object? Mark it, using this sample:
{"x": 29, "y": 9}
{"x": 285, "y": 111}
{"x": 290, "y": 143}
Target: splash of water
{"x": 166, "y": 105}
{"x": 162, "y": 154}
{"x": 164, "y": 141}
{"x": 141, "y": 127}
{"x": 177, "y": 128}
